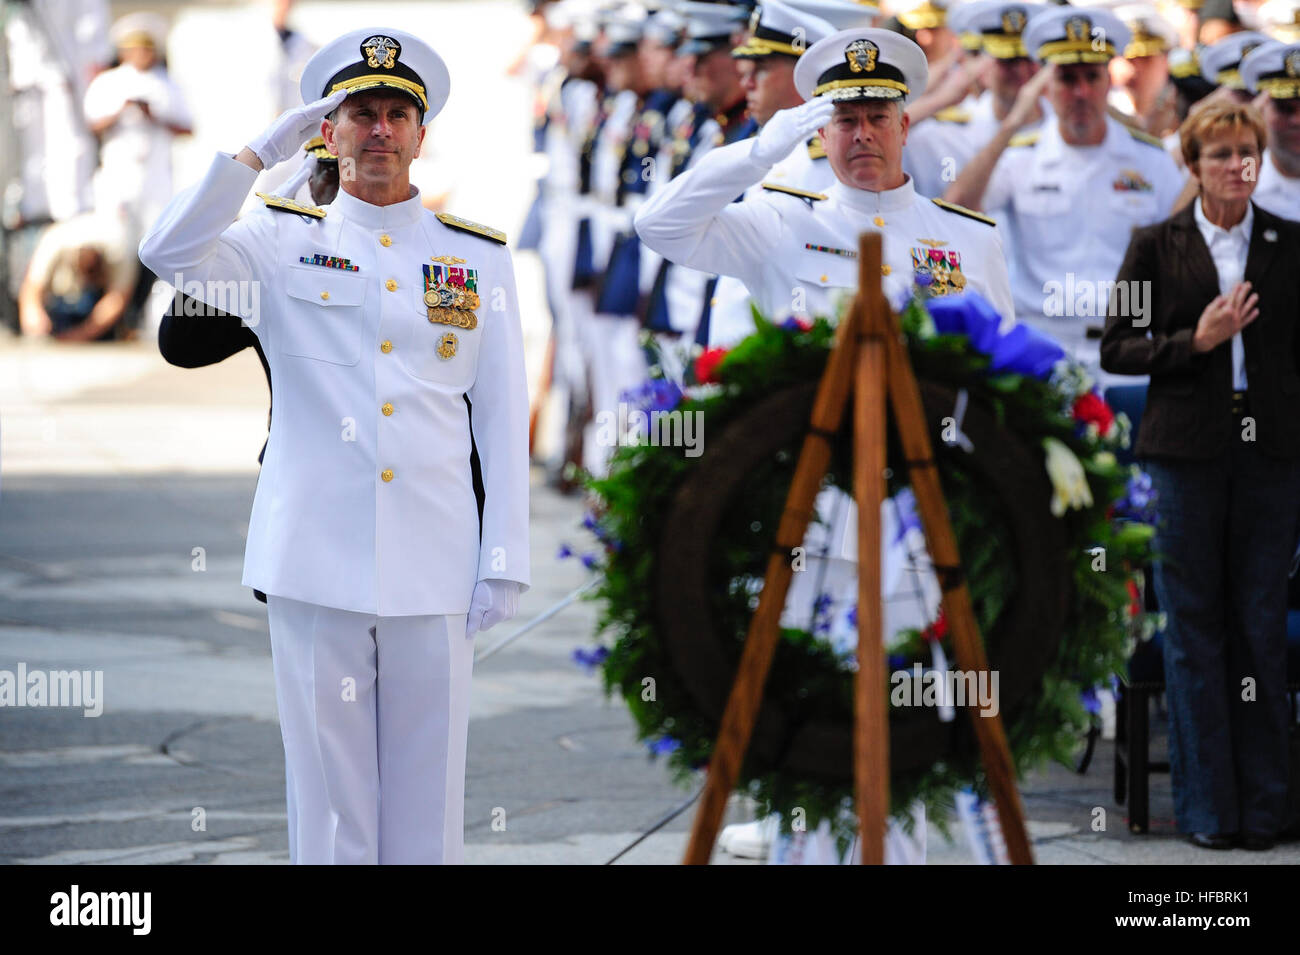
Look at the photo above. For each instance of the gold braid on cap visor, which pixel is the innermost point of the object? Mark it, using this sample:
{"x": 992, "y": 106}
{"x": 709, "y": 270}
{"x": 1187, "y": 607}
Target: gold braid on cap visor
{"x": 878, "y": 89}
{"x": 1231, "y": 79}
{"x": 1000, "y": 46}
{"x": 374, "y": 80}
{"x": 1067, "y": 52}
{"x": 1145, "y": 44}
{"x": 1280, "y": 87}
{"x": 761, "y": 46}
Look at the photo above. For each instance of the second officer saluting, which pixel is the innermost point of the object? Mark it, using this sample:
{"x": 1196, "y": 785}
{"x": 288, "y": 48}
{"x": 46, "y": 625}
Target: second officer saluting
{"x": 379, "y": 319}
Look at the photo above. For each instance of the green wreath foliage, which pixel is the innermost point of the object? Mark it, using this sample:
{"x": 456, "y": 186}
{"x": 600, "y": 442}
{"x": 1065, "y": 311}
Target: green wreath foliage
{"x": 807, "y": 677}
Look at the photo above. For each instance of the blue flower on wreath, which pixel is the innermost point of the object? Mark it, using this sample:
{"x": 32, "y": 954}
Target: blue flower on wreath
{"x": 564, "y": 553}
{"x": 822, "y": 613}
{"x": 1022, "y": 349}
{"x": 588, "y": 561}
{"x": 657, "y": 394}
{"x": 896, "y": 662}
{"x": 591, "y": 658}
{"x": 663, "y": 745}
{"x": 1139, "y": 500}
{"x": 1090, "y": 701}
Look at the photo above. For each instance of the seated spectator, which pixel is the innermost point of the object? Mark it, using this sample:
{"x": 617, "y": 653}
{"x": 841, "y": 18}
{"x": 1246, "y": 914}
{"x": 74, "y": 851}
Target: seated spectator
{"x": 78, "y": 282}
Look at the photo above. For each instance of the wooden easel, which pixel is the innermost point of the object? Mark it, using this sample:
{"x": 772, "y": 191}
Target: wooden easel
{"x": 869, "y": 361}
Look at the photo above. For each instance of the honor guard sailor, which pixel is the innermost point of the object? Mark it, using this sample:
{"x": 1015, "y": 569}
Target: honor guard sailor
{"x": 391, "y": 332}
{"x": 1274, "y": 69}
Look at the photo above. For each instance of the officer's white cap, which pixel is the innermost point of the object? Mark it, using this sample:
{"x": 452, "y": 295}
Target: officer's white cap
{"x": 710, "y": 26}
{"x": 781, "y": 29}
{"x": 376, "y": 59}
{"x": 862, "y": 64}
{"x": 1273, "y": 67}
{"x": 998, "y": 25}
{"x": 665, "y": 27}
{"x": 1067, "y": 35}
{"x": 1152, "y": 33}
{"x": 1219, "y": 61}
{"x": 924, "y": 14}
{"x": 840, "y": 14}
{"x": 1280, "y": 19}
{"x": 139, "y": 29}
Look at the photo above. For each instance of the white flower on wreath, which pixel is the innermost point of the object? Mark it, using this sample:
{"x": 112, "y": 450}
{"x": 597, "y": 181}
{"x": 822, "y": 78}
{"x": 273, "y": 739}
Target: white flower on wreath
{"x": 1069, "y": 482}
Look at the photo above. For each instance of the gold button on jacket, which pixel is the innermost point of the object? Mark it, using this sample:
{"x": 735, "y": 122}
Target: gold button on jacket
{"x": 391, "y": 285}
{"x": 385, "y": 347}
{"x": 385, "y": 240}
{"x": 387, "y": 408}
{"x": 386, "y": 474}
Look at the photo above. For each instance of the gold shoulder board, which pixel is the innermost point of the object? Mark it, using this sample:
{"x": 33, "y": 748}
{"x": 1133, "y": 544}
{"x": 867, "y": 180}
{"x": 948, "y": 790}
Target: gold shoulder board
{"x": 1024, "y": 139}
{"x": 1145, "y": 138}
{"x": 774, "y": 187}
{"x": 963, "y": 211}
{"x": 815, "y": 148}
{"x": 464, "y": 225}
{"x": 952, "y": 114}
{"x": 291, "y": 205}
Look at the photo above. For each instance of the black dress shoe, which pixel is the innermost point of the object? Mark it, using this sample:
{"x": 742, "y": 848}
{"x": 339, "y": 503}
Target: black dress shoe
{"x": 1210, "y": 840}
{"x": 1255, "y": 842}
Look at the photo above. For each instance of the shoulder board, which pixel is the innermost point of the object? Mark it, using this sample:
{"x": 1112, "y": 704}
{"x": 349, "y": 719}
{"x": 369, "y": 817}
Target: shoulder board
{"x": 774, "y": 187}
{"x": 1024, "y": 139}
{"x": 464, "y": 225}
{"x": 963, "y": 211}
{"x": 285, "y": 204}
{"x": 1145, "y": 138}
{"x": 815, "y": 148}
{"x": 953, "y": 114}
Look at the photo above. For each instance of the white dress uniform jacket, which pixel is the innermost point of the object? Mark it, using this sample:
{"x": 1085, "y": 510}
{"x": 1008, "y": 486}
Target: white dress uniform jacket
{"x": 365, "y": 501}
{"x": 791, "y": 251}
{"x": 1068, "y": 212}
{"x": 1275, "y": 192}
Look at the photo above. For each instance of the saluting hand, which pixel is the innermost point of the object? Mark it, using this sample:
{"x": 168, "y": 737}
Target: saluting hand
{"x": 1224, "y": 317}
{"x": 1025, "y": 107}
{"x": 284, "y": 137}
{"x": 788, "y": 128}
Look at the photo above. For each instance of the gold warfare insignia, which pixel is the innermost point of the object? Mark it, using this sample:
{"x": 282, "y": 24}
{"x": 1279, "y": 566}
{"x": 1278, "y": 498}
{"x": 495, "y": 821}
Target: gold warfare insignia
{"x": 1078, "y": 29}
{"x": 451, "y": 294}
{"x": 933, "y": 243}
{"x": 861, "y": 56}
{"x": 447, "y": 346}
{"x": 1013, "y": 21}
{"x": 1292, "y": 62}
{"x": 381, "y": 52}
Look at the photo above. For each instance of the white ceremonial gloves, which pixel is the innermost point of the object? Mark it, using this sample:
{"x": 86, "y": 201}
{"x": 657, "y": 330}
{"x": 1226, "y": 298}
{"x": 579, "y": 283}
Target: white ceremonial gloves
{"x": 284, "y": 137}
{"x": 788, "y": 128}
{"x": 494, "y": 601}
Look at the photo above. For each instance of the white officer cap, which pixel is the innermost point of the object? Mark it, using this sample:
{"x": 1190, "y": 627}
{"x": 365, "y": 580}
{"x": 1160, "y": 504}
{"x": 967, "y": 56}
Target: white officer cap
{"x": 924, "y": 14}
{"x": 998, "y": 25}
{"x": 623, "y": 28}
{"x": 1219, "y": 61}
{"x": 1280, "y": 19}
{"x": 1067, "y": 35}
{"x": 665, "y": 27}
{"x": 139, "y": 29}
{"x": 862, "y": 64}
{"x": 1273, "y": 67}
{"x": 710, "y": 26}
{"x": 960, "y": 20}
{"x": 780, "y": 29}
{"x": 1152, "y": 33}
{"x": 379, "y": 58}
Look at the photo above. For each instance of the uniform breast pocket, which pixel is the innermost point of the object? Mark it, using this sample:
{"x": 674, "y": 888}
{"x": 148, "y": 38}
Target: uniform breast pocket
{"x": 324, "y": 321}
{"x": 1044, "y": 212}
{"x": 1134, "y": 207}
{"x": 445, "y": 350}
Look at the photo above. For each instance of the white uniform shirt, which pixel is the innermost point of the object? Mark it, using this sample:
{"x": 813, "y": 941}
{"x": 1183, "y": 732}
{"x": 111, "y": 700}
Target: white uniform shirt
{"x": 1067, "y": 213}
{"x": 134, "y": 179}
{"x": 731, "y": 317}
{"x": 798, "y": 256}
{"x": 938, "y": 148}
{"x": 1228, "y": 248}
{"x": 1275, "y": 192}
{"x": 361, "y": 393}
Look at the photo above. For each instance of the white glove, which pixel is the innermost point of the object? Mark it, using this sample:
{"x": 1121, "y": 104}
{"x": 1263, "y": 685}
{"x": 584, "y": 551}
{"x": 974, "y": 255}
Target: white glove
{"x": 494, "y": 601}
{"x": 290, "y": 186}
{"x": 292, "y": 128}
{"x": 788, "y": 128}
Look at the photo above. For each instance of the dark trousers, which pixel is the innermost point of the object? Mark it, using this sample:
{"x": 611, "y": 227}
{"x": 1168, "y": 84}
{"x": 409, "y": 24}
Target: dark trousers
{"x": 1226, "y": 532}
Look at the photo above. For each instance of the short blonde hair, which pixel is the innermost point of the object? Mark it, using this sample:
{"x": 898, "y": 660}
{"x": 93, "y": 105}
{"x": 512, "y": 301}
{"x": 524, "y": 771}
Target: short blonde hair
{"x": 1212, "y": 120}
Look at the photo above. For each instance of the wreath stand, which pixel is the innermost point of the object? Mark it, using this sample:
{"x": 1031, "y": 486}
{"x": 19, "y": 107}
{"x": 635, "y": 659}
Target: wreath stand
{"x": 869, "y": 362}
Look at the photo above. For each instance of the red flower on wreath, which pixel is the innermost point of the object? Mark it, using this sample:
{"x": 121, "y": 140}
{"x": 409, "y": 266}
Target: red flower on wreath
{"x": 937, "y": 630}
{"x": 706, "y": 365}
{"x": 1091, "y": 409}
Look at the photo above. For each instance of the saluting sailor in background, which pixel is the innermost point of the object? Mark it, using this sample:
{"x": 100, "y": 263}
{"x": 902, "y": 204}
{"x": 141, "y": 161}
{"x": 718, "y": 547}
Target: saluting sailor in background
{"x": 379, "y": 320}
{"x": 1274, "y": 69}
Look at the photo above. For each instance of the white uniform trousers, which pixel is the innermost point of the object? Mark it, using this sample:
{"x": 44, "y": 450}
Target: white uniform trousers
{"x": 374, "y": 713}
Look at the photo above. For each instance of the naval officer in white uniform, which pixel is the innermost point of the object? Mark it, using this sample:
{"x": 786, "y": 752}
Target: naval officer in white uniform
{"x": 796, "y": 250}
{"x": 379, "y": 319}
